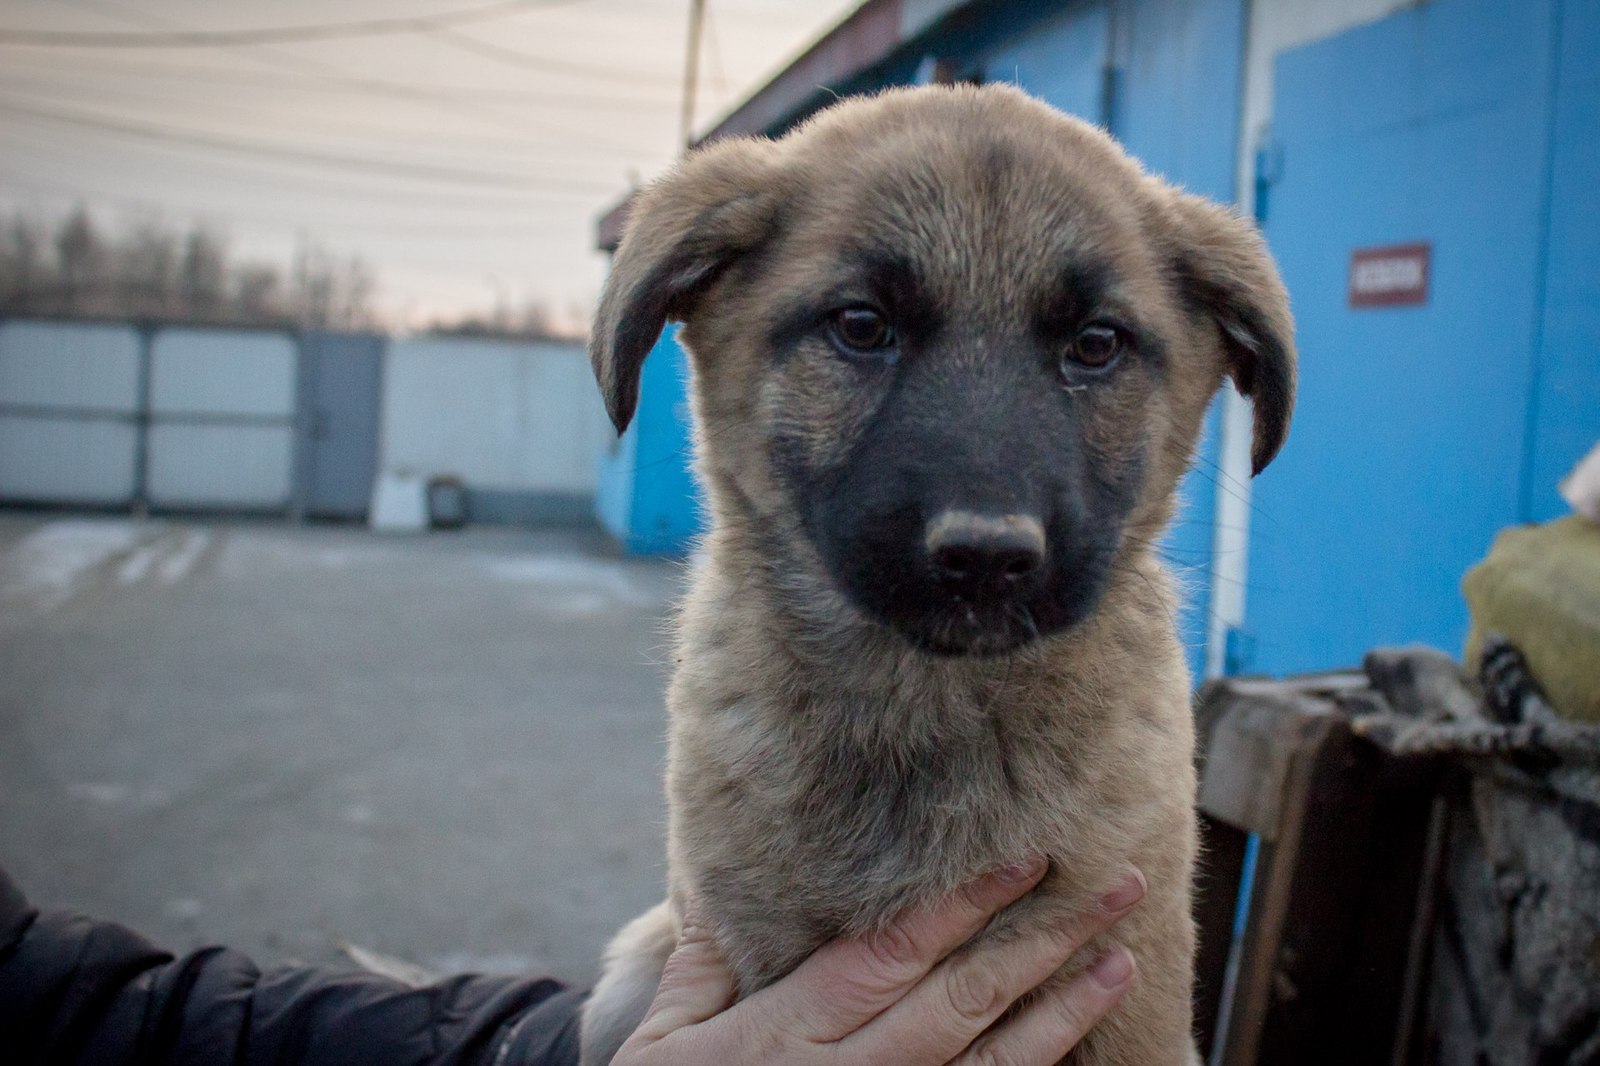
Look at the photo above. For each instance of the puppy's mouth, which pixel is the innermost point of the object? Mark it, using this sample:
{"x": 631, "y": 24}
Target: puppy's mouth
{"x": 980, "y": 629}
{"x": 967, "y": 629}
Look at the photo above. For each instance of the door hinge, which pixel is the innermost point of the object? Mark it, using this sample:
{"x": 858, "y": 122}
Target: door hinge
{"x": 1238, "y": 651}
{"x": 1269, "y": 171}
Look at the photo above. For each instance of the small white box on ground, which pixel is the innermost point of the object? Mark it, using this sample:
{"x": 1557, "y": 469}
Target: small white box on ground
{"x": 399, "y": 502}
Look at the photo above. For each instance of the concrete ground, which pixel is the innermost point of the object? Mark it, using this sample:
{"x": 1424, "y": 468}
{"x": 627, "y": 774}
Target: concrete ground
{"x": 444, "y": 748}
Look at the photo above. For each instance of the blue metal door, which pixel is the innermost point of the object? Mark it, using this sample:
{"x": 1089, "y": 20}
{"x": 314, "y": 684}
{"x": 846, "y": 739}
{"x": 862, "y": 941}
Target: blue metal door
{"x": 1407, "y": 450}
{"x": 1564, "y": 422}
{"x": 340, "y": 376}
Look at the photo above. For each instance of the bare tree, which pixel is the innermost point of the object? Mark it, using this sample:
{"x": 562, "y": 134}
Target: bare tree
{"x": 330, "y": 292}
{"x": 154, "y": 271}
{"x": 24, "y": 270}
{"x": 536, "y": 319}
{"x": 146, "y": 267}
{"x": 355, "y": 294}
{"x": 258, "y": 294}
{"x": 203, "y": 275}
{"x": 81, "y": 259}
{"x": 579, "y": 312}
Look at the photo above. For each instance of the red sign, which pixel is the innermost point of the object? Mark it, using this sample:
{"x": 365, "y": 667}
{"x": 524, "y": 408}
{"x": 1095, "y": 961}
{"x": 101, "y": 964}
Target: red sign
{"x": 1394, "y": 276}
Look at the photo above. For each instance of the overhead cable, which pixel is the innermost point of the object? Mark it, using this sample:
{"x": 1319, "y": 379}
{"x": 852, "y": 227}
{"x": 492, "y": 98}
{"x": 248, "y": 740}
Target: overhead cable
{"x": 395, "y": 168}
{"x": 269, "y": 34}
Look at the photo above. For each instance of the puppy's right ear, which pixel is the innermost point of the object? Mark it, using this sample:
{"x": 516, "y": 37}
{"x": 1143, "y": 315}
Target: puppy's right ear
{"x": 682, "y": 231}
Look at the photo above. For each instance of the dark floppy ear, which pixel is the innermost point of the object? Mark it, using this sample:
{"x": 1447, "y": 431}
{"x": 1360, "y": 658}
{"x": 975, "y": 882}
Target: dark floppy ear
{"x": 681, "y": 232}
{"x": 1225, "y": 269}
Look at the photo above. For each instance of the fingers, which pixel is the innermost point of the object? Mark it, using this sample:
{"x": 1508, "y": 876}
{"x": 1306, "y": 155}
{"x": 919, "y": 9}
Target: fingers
{"x": 1048, "y": 1028}
{"x": 695, "y": 985}
{"x": 966, "y": 994}
{"x": 849, "y": 982}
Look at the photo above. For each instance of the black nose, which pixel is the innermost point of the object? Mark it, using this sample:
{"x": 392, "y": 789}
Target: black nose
{"x": 983, "y": 555}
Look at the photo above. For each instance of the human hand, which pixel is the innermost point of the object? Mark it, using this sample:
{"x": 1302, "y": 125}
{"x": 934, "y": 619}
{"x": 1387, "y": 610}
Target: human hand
{"x": 897, "y": 997}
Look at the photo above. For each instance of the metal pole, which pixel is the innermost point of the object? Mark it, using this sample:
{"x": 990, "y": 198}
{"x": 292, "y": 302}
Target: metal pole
{"x": 691, "y": 69}
{"x": 142, "y": 419}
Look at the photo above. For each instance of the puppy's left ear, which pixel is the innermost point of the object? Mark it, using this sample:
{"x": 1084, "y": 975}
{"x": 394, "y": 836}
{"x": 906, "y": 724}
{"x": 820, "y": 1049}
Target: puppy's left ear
{"x": 682, "y": 231}
{"x": 1225, "y": 269}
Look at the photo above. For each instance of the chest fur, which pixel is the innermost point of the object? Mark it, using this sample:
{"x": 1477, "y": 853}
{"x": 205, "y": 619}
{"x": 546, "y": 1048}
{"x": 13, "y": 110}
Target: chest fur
{"x": 803, "y": 821}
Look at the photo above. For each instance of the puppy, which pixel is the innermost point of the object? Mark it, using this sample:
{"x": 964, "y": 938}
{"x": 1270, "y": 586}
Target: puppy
{"x": 952, "y": 350}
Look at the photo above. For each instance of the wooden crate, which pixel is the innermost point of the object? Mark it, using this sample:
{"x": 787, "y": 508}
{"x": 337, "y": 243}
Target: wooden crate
{"x": 1335, "y": 844}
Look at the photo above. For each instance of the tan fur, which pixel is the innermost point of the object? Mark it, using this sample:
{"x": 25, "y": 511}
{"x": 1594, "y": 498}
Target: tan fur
{"x": 823, "y": 773}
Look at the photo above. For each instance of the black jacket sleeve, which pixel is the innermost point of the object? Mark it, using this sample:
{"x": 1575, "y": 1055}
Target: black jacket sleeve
{"x": 78, "y": 991}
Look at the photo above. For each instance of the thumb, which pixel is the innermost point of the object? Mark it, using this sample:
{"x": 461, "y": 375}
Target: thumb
{"x": 695, "y": 984}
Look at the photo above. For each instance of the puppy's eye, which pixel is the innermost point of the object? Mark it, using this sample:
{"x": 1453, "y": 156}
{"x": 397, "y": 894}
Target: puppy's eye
{"x": 861, "y": 330}
{"x": 1095, "y": 346}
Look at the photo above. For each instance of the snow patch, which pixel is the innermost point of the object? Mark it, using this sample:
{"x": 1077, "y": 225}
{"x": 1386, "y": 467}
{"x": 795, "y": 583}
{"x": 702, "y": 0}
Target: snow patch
{"x": 184, "y": 908}
{"x": 589, "y": 584}
{"x": 180, "y": 563}
{"x": 247, "y": 555}
{"x": 104, "y": 792}
{"x": 136, "y": 567}
{"x": 49, "y": 564}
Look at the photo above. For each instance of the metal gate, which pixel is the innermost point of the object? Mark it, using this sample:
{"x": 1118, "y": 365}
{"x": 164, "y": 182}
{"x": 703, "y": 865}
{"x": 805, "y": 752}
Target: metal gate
{"x": 340, "y": 380}
{"x": 181, "y": 418}
{"x": 71, "y": 397}
{"x": 221, "y": 422}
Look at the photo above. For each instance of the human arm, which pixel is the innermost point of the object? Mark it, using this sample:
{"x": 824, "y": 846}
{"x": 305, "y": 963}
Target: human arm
{"x": 74, "y": 990}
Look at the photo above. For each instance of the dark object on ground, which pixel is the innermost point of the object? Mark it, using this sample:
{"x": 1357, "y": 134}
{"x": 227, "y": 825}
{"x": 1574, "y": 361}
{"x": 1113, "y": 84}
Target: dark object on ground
{"x": 77, "y": 991}
{"x": 447, "y": 502}
{"x": 1424, "y": 885}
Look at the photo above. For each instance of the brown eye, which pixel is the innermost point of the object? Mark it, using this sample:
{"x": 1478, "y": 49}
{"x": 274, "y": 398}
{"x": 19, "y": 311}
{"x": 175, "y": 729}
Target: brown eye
{"x": 1095, "y": 346}
{"x": 861, "y": 330}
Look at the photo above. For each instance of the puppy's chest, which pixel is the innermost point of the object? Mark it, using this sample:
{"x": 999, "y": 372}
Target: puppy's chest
{"x": 792, "y": 837}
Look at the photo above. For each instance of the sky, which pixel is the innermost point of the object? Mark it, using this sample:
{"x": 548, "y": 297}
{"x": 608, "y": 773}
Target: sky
{"x": 462, "y": 148}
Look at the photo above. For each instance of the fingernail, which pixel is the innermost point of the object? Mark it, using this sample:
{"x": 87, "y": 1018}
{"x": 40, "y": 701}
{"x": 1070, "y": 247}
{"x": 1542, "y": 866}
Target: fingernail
{"x": 1113, "y": 970}
{"x": 1022, "y": 870}
{"x": 1129, "y": 890}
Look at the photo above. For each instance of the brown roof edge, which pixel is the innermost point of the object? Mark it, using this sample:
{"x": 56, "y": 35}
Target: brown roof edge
{"x": 866, "y": 36}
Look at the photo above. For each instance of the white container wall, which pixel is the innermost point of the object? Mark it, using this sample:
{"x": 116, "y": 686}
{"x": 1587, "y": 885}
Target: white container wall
{"x": 68, "y": 406}
{"x": 518, "y": 417}
{"x": 222, "y": 419}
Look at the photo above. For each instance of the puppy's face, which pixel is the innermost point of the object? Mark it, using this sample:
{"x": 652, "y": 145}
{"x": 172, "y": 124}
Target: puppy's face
{"x": 952, "y": 349}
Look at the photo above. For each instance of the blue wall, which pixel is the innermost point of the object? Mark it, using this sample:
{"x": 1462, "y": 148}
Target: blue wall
{"x": 1060, "y": 60}
{"x": 1421, "y": 431}
{"x": 647, "y": 497}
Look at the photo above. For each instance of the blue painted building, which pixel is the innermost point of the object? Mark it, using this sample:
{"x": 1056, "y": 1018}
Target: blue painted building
{"x": 1453, "y": 137}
